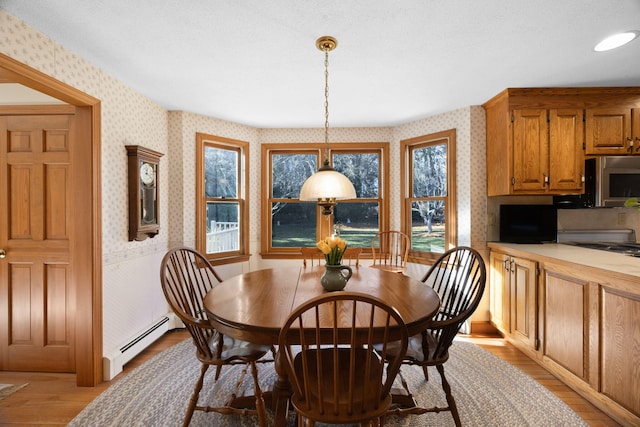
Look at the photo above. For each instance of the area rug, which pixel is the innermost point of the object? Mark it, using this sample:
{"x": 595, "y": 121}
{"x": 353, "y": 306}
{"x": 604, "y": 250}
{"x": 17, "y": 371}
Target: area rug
{"x": 8, "y": 389}
{"x": 488, "y": 392}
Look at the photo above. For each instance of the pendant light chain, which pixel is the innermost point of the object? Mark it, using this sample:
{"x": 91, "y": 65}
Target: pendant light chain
{"x": 327, "y": 185}
{"x": 326, "y": 105}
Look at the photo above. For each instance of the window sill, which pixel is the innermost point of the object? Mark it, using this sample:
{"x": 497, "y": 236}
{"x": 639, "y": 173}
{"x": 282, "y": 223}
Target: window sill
{"x": 229, "y": 260}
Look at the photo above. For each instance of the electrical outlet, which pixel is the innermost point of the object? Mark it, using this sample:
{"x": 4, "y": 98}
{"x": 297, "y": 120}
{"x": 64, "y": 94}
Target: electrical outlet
{"x": 622, "y": 218}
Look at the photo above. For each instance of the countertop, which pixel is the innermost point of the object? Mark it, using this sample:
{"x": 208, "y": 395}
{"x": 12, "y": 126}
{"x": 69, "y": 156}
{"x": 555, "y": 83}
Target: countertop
{"x": 608, "y": 261}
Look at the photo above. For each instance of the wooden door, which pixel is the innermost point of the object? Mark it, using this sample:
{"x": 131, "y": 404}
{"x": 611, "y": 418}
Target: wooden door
{"x": 566, "y": 156}
{"x": 608, "y": 131}
{"x": 37, "y": 293}
{"x": 530, "y": 150}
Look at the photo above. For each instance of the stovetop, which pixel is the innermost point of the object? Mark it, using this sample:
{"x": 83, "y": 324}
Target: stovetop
{"x": 617, "y": 241}
{"x": 630, "y": 249}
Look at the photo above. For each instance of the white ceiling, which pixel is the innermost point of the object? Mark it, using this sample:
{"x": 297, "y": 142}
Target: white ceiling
{"x": 255, "y": 61}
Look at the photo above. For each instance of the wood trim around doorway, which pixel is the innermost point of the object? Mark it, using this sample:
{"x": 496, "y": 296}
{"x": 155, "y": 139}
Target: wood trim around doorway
{"x": 88, "y": 307}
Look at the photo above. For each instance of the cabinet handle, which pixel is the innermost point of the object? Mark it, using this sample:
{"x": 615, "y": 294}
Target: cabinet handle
{"x": 546, "y": 179}
{"x": 582, "y": 178}
{"x": 507, "y": 264}
{"x": 638, "y": 146}
{"x": 630, "y": 141}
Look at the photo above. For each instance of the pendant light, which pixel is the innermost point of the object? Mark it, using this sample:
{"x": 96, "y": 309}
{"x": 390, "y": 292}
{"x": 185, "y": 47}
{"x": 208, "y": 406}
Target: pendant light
{"x": 327, "y": 185}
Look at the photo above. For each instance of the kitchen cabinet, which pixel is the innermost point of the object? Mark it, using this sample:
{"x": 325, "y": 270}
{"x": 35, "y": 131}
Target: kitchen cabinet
{"x": 542, "y": 148}
{"x": 547, "y": 151}
{"x": 513, "y": 294}
{"x": 537, "y": 138}
{"x": 612, "y": 131}
{"x": 584, "y": 318}
{"x": 591, "y": 333}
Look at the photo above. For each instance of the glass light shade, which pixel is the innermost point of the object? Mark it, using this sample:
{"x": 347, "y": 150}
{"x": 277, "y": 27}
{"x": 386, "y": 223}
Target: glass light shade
{"x": 327, "y": 184}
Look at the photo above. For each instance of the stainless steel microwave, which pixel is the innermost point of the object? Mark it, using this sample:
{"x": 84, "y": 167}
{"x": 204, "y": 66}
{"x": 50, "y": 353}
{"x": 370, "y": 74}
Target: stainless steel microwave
{"x": 618, "y": 179}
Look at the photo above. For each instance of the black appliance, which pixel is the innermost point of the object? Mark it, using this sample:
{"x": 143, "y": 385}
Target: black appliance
{"x": 528, "y": 223}
{"x": 581, "y": 201}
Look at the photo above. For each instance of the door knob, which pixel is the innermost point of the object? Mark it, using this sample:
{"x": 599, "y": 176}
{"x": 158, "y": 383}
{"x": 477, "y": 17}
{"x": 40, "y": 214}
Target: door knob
{"x": 3, "y": 253}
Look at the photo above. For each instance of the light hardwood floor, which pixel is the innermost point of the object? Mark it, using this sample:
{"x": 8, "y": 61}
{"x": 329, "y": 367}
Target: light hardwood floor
{"x": 54, "y": 399}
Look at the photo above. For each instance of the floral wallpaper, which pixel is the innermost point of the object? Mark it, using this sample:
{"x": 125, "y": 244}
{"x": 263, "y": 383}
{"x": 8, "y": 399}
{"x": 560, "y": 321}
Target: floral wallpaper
{"x": 128, "y": 118}
{"x": 130, "y": 268}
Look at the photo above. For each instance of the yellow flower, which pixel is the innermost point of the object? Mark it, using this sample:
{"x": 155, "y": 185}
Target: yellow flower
{"x": 324, "y": 247}
{"x": 333, "y": 248}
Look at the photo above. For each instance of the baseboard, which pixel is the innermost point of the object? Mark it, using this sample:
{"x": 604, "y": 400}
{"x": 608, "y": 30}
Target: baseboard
{"x": 484, "y": 328}
{"x": 112, "y": 365}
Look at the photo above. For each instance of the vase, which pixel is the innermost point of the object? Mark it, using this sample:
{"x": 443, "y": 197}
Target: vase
{"x": 334, "y": 279}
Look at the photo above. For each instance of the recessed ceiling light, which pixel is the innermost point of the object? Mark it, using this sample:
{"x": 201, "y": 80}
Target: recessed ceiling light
{"x": 616, "y": 40}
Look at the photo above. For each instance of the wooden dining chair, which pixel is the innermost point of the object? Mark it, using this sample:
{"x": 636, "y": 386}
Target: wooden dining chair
{"x": 326, "y": 349}
{"x": 186, "y": 276}
{"x": 351, "y": 257}
{"x": 390, "y": 250}
{"x": 311, "y": 255}
{"x": 314, "y": 256}
{"x": 458, "y": 276}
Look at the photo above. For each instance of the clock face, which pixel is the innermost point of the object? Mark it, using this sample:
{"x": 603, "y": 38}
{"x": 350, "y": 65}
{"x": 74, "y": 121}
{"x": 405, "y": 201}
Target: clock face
{"x": 147, "y": 174}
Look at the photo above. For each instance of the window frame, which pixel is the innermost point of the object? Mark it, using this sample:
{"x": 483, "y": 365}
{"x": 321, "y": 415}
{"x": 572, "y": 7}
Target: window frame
{"x": 451, "y": 214}
{"x": 242, "y": 147}
{"x": 323, "y": 227}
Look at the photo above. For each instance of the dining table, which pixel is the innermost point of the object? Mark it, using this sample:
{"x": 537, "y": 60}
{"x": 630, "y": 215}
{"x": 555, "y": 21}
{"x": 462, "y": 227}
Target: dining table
{"x": 254, "y": 306}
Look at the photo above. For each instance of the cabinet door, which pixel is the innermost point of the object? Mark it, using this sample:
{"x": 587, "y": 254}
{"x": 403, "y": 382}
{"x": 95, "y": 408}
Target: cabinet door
{"x": 499, "y": 290}
{"x": 619, "y": 342}
{"x": 608, "y": 131}
{"x": 564, "y": 322}
{"x": 530, "y": 150}
{"x": 524, "y": 301}
{"x": 566, "y": 156}
{"x": 635, "y": 128}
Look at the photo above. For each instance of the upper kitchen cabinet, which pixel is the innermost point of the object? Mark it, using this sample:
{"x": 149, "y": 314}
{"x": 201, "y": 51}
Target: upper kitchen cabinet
{"x": 613, "y": 131}
{"x": 536, "y": 138}
{"x": 533, "y": 150}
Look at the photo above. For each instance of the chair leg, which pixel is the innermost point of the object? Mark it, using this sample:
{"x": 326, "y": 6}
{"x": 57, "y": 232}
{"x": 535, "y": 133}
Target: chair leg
{"x": 260, "y": 406}
{"x": 218, "y": 369}
{"x": 426, "y": 372}
{"x": 194, "y": 397}
{"x": 450, "y": 400}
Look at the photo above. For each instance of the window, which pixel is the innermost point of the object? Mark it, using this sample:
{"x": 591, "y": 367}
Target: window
{"x": 222, "y": 220}
{"x": 288, "y": 223}
{"x": 428, "y": 188}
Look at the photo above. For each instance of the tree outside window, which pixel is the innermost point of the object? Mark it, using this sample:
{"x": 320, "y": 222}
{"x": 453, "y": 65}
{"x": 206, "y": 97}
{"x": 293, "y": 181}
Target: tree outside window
{"x": 289, "y": 223}
{"x": 221, "y": 220}
{"x": 429, "y": 193}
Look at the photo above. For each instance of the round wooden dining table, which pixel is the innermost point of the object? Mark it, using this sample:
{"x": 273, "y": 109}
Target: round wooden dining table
{"x": 253, "y": 306}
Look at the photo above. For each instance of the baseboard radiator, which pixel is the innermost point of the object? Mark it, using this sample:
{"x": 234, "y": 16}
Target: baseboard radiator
{"x": 112, "y": 364}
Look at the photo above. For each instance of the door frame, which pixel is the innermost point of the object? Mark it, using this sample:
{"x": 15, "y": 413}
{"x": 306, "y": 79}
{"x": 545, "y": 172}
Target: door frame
{"x": 88, "y": 309}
